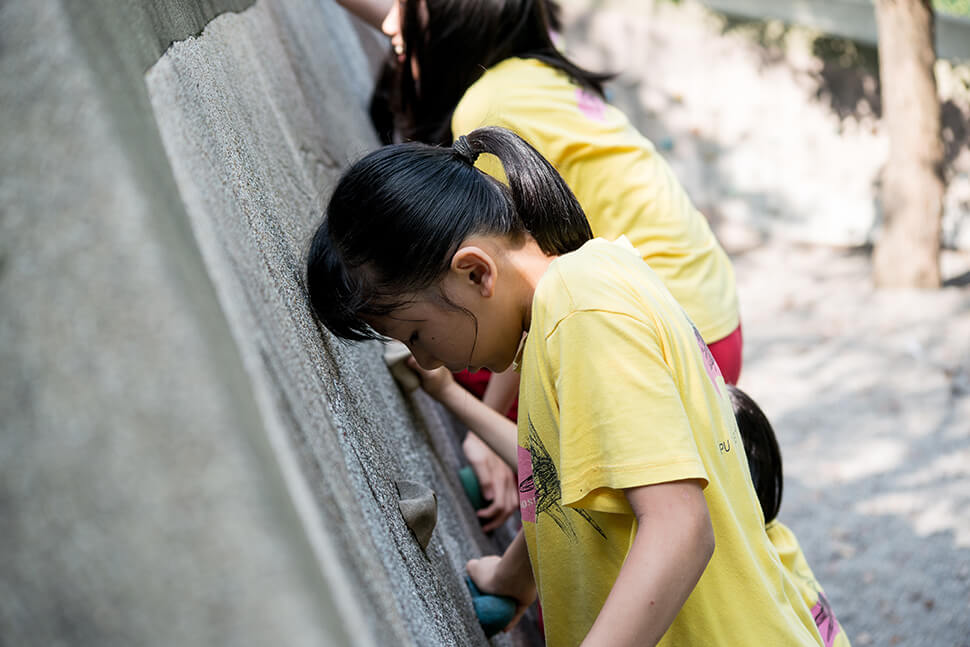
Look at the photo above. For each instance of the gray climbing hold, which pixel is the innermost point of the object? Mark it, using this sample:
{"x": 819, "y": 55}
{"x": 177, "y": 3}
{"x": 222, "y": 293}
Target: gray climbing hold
{"x": 396, "y": 356}
{"x": 419, "y": 507}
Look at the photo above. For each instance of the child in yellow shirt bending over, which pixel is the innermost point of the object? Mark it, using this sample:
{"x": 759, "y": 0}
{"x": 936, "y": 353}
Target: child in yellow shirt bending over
{"x": 639, "y": 516}
{"x": 458, "y": 65}
{"x": 764, "y": 462}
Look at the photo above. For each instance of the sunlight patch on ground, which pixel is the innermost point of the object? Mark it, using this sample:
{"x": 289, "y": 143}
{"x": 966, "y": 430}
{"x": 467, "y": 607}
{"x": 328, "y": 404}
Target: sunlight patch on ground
{"x": 950, "y": 466}
{"x": 862, "y": 461}
{"x": 926, "y": 511}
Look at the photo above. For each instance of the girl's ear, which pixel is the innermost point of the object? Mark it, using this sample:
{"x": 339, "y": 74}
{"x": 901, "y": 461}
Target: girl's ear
{"x": 476, "y": 268}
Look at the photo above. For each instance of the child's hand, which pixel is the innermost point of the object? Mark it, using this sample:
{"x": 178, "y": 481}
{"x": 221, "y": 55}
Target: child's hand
{"x": 434, "y": 382}
{"x": 490, "y": 576}
{"x": 496, "y": 479}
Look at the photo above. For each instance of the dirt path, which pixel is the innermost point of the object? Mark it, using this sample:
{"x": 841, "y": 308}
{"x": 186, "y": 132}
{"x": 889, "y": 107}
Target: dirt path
{"x": 869, "y": 391}
{"x": 870, "y": 395}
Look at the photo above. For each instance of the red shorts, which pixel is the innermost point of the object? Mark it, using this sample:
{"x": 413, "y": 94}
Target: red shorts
{"x": 727, "y": 354}
{"x": 476, "y": 384}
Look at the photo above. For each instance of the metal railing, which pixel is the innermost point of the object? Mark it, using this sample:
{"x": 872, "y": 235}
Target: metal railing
{"x": 852, "y": 19}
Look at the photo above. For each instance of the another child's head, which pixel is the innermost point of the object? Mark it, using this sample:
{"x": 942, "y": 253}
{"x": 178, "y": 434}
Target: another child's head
{"x": 392, "y": 256}
{"x": 443, "y": 46}
{"x": 761, "y": 449}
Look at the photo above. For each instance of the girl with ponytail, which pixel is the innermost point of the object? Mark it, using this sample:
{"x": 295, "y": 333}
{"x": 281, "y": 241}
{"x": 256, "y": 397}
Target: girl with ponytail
{"x": 457, "y": 65}
{"x": 630, "y": 466}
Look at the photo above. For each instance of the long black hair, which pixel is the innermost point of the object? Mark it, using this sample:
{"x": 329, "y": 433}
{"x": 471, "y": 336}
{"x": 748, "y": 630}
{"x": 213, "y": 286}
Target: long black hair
{"x": 761, "y": 448}
{"x": 453, "y": 43}
{"x": 398, "y": 216}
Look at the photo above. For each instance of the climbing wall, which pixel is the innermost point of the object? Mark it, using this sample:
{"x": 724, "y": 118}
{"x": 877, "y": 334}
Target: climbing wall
{"x": 186, "y": 458}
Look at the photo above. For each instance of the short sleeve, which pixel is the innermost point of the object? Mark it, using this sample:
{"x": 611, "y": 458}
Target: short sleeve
{"x": 464, "y": 119}
{"x": 482, "y": 105}
{"x": 622, "y": 419}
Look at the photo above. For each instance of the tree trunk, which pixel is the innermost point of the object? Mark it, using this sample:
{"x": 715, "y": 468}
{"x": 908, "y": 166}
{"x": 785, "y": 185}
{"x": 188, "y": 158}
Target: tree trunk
{"x": 908, "y": 252}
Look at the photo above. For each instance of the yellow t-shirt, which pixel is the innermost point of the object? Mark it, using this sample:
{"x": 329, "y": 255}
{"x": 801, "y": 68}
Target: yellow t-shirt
{"x": 625, "y": 187}
{"x": 619, "y": 391}
{"x": 784, "y": 541}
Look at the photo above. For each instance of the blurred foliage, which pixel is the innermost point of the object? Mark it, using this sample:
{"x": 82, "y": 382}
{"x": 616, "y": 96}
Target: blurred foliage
{"x": 848, "y": 79}
{"x": 956, "y": 7}
{"x": 847, "y": 75}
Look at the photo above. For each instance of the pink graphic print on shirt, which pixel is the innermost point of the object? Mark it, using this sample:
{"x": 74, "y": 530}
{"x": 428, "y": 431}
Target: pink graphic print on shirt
{"x": 527, "y": 490}
{"x": 825, "y": 620}
{"x": 590, "y": 104}
{"x": 710, "y": 364}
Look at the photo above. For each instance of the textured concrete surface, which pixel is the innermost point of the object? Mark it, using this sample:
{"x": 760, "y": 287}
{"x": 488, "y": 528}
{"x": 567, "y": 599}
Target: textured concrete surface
{"x": 256, "y": 130}
{"x": 139, "y": 501}
{"x": 185, "y": 457}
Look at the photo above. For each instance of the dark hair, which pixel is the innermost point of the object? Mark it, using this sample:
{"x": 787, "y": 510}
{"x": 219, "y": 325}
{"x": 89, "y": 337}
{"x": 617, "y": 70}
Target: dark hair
{"x": 453, "y": 45}
{"x": 398, "y": 216}
{"x": 761, "y": 448}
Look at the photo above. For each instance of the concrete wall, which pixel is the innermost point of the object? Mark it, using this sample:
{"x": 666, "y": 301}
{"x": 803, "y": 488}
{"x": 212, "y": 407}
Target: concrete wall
{"x": 185, "y": 457}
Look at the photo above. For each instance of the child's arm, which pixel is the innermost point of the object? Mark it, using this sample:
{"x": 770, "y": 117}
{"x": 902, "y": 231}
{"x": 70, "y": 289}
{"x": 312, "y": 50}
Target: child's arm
{"x": 496, "y": 430}
{"x": 673, "y": 543}
{"x": 501, "y": 390}
{"x": 372, "y": 12}
{"x": 509, "y": 575}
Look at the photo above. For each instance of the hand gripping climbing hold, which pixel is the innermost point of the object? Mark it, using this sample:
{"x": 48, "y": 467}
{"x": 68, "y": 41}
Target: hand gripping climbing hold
{"x": 419, "y": 507}
{"x": 494, "y": 612}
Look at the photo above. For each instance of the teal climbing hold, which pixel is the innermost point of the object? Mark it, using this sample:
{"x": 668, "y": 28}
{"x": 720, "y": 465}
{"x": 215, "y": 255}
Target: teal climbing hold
{"x": 471, "y": 486}
{"x": 494, "y": 612}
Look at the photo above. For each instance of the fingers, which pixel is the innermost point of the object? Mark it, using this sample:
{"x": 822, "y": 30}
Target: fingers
{"x": 414, "y": 366}
{"x": 502, "y": 496}
{"x": 474, "y": 567}
{"x": 493, "y": 508}
{"x": 501, "y": 493}
{"x": 482, "y": 571}
{"x": 487, "y": 483}
{"x": 512, "y": 493}
{"x": 496, "y": 522}
{"x": 496, "y": 514}
{"x": 493, "y": 516}
{"x": 519, "y": 612}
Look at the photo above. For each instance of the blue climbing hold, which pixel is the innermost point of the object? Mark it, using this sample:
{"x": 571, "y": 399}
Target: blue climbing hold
{"x": 494, "y": 612}
{"x": 469, "y": 482}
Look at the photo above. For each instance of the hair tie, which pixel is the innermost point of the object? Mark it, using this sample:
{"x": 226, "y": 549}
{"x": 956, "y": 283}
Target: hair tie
{"x": 463, "y": 149}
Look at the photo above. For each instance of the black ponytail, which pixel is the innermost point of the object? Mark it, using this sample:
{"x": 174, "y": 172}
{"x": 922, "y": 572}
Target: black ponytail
{"x": 761, "y": 449}
{"x": 543, "y": 201}
{"x": 398, "y": 216}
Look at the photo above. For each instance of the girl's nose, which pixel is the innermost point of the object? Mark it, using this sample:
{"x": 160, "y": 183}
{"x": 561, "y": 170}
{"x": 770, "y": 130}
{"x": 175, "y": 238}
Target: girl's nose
{"x": 392, "y": 21}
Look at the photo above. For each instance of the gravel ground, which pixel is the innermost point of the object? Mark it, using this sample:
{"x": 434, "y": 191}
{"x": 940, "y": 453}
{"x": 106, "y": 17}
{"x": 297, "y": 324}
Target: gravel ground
{"x": 869, "y": 391}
